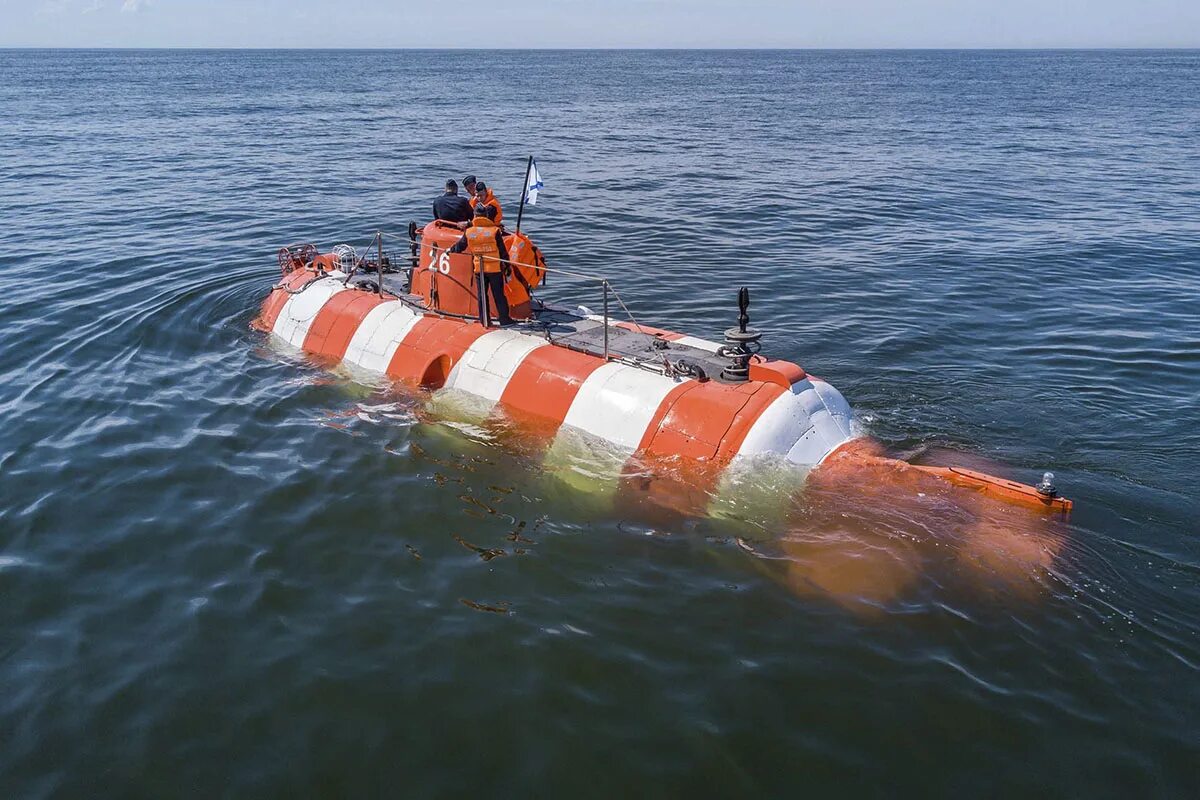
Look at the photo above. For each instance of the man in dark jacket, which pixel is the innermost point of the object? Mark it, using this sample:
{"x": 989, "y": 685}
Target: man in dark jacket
{"x": 451, "y": 207}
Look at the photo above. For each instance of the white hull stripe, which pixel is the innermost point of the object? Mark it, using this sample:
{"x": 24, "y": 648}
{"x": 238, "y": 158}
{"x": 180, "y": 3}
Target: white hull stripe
{"x": 486, "y": 367}
{"x": 300, "y": 310}
{"x": 617, "y": 403}
{"x": 805, "y": 424}
{"x": 380, "y": 334}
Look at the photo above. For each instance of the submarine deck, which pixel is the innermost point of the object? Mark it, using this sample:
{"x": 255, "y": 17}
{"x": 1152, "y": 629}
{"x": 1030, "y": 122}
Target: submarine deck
{"x": 646, "y": 348}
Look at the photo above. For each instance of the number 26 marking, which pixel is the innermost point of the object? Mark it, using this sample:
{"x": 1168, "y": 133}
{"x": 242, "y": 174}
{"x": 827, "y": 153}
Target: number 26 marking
{"x": 441, "y": 264}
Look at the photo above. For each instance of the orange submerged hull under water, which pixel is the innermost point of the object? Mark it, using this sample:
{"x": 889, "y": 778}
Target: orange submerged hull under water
{"x": 872, "y": 525}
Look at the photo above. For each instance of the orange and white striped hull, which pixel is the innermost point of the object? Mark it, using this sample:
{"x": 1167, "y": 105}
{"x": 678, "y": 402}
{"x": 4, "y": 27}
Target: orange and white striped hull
{"x": 673, "y": 437}
{"x": 644, "y": 413}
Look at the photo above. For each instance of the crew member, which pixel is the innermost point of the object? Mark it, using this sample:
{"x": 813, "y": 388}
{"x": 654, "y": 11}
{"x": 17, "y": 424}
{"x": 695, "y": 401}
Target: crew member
{"x": 451, "y": 207}
{"x": 485, "y": 242}
{"x": 469, "y": 185}
{"x": 483, "y": 194}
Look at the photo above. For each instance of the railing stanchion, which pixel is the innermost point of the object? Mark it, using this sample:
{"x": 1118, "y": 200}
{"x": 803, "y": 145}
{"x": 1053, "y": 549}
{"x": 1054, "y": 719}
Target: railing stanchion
{"x": 605, "y": 282}
{"x": 379, "y": 240}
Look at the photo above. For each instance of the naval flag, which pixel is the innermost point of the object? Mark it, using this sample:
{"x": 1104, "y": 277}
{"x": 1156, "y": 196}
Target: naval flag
{"x": 533, "y": 185}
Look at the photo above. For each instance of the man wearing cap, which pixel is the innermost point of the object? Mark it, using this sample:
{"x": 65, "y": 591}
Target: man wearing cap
{"x": 450, "y": 206}
{"x": 483, "y": 194}
{"x": 485, "y": 242}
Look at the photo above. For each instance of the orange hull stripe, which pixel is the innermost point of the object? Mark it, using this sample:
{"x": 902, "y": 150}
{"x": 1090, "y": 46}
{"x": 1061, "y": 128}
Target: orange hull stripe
{"x": 744, "y": 420}
{"x": 277, "y": 299}
{"x": 270, "y": 311}
{"x": 710, "y": 422}
{"x": 664, "y": 407}
{"x": 430, "y": 339}
{"x": 335, "y": 324}
{"x": 696, "y": 432}
{"x": 546, "y": 382}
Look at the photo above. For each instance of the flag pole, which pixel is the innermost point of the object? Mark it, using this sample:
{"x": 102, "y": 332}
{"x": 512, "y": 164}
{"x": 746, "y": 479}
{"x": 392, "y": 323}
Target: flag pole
{"x": 524, "y": 191}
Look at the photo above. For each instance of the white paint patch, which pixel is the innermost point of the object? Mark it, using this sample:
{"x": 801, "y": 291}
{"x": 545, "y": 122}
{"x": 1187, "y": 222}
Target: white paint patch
{"x": 488, "y": 364}
{"x": 301, "y": 309}
{"x": 617, "y": 402}
{"x": 380, "y": 334}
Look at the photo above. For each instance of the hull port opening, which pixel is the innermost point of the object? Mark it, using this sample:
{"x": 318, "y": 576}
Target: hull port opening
{"x": 436, "y": 373}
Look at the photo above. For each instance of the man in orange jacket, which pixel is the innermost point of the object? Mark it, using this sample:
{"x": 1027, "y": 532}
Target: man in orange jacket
{"x": 485, "y": 242}
{"x": 483, "y": 194}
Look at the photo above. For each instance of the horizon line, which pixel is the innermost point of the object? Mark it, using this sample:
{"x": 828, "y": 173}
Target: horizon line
{"x": 908, "y": 48}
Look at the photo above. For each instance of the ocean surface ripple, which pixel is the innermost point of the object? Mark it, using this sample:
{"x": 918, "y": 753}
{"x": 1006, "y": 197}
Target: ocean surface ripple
{"x": 227, "y": 570}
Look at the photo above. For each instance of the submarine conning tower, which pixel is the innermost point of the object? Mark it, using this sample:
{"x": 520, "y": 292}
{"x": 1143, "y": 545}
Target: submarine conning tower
{"x": 445, "y": 281}
{"x": 652, "y": 393}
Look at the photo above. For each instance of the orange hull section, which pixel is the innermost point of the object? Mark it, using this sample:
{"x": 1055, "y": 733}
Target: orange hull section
{"x": 1000, "y": 488}
{"x": 864, "y": 460}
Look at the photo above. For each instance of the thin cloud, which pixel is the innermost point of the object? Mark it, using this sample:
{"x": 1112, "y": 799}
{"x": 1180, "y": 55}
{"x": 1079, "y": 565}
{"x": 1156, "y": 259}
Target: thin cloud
{"x": 134, "y": 6}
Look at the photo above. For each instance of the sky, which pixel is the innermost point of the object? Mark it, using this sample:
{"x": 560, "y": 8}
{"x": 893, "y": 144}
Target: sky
{"x": 600, "y": 23}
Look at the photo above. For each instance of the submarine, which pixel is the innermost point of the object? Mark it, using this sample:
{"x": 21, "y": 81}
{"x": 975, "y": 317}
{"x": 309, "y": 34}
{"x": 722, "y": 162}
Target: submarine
{"x": 651, "y": 395}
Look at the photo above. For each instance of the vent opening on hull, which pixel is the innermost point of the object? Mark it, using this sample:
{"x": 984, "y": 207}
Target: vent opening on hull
{"x": 436, "y": 373}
